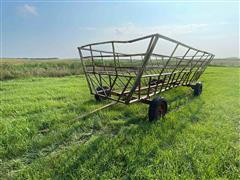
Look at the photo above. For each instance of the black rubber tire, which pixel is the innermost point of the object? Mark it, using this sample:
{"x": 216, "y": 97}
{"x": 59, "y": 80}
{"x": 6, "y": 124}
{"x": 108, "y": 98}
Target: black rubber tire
{"x": 157, "y": 108}
{"x": 100, "y": 98}
{"x": 197, "y": 89}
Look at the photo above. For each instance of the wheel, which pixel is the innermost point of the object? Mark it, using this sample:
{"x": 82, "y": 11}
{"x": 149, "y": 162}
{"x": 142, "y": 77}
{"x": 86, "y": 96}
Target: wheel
{"x": 197, "y": 89}
{"x": 157, "y": 108}
{"x": 100, "y": 91}
{"x": 98, "y": 98}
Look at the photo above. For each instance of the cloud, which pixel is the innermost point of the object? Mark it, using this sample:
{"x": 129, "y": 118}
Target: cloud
{"x": 131, "y": 30}
{"x": 200, "y": 35}
{"x": 28, "y": 9}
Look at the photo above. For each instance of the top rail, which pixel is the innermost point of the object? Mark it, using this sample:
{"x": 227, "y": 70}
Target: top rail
{"x": 146, "y": 37}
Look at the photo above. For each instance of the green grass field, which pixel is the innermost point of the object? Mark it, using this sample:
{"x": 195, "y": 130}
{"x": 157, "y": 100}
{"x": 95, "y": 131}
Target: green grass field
{"x": 22, "y": 68}
{"x": 197, "y": 139}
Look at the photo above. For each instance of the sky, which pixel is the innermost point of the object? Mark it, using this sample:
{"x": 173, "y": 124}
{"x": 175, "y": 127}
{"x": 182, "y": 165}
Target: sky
{"x": 56, "y": 29}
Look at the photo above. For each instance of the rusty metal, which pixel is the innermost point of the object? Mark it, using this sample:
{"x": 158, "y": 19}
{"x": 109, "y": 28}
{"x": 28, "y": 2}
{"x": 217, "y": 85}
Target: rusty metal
{"x": 136, "y": 77}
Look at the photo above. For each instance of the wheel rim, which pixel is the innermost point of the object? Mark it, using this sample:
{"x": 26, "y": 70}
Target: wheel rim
{"x": 161, "y": 110}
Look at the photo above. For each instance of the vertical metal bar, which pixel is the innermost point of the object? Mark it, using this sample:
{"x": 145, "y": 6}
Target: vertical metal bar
{"x": 209, "y": 61}
{"x": 93, "y": 64}
{"x": 84, "y": 70}
{"x": 110, "y": 80}
{"x": 124, "y": 89}
{"x": 151, "y": 41}
{"x": 121, "y": 81}
{"x": 181, "y": 77}
{"x": 172, "y": 81}
{"x": 187, "y": 78}
{"x": 104, "y": 67}
{"x": 103, "y": 79}
{"x": 100, "y": 79}
{"x": 93, "y": 84}
{"x": 178, "y": 65}
{"x": 139, "y": 90}
{"x": 111, "y": 87}
{"x": 118, "y": 61}
{"x": 116, "y": 82}
{"x": 148, "y": 53}
{"x": 165, "y": 67}
{"x": 162, "y": 84}
{"x": 149, "y": 85}
{"x": 114, "y": 58}
{"x": 186, "y": 66}
{"x": 198, "y": 68}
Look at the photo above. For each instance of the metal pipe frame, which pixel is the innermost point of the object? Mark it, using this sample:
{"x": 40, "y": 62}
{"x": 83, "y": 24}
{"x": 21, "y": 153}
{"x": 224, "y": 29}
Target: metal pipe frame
{"x": 139, "y": 76}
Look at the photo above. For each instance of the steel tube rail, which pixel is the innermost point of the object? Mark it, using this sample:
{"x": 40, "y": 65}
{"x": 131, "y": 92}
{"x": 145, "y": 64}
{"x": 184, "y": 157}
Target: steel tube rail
{"x": 145, "y": 37}
{"x": 132, "y": 77}
{"x": 150, "y": 49}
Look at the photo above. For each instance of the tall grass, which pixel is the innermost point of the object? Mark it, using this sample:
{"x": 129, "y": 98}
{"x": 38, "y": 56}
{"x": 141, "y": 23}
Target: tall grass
{"x": 19, "y": 68}
{"x": 226, "y": 62}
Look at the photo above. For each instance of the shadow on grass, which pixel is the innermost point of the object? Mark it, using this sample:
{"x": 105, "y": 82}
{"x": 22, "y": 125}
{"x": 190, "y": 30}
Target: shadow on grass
{"x": 134, "y": 125}
{"x": 102, "y": 153}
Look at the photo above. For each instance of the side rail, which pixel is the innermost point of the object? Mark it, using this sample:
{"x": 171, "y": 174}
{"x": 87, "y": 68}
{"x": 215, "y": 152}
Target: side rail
{"x": 182, "y": 65}
{"x": 110, "y": 72}
{"x": 132, "y": 76}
